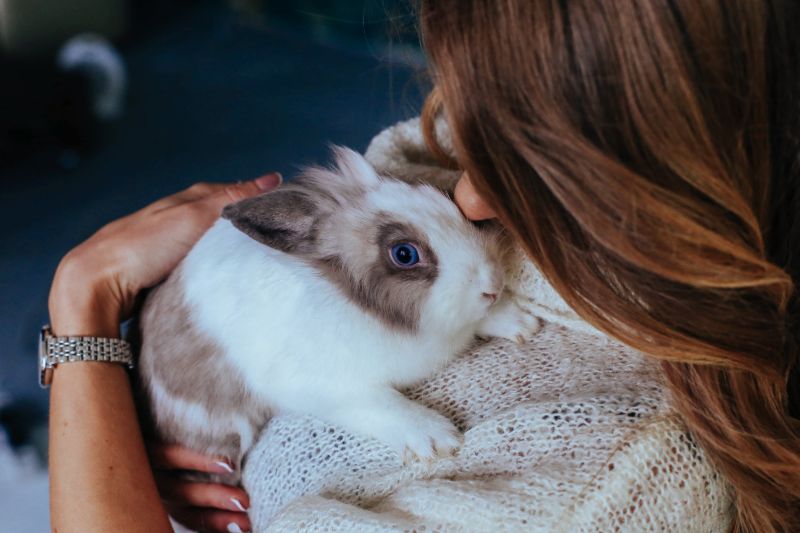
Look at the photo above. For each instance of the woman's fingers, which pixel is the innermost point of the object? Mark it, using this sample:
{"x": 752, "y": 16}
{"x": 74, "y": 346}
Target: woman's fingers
{"x": 190, "y": 194}
{"x": 175, "y": 457}
{"x": 206, "y": 495}
{"x": 233, "y": 192}
{"x": 198, "y": 505}
{"x": 211, "y": 520}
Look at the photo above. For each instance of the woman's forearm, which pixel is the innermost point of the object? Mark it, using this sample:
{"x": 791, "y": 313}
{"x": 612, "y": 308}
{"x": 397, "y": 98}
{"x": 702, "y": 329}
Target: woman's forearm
{"x": 100, "y": 477}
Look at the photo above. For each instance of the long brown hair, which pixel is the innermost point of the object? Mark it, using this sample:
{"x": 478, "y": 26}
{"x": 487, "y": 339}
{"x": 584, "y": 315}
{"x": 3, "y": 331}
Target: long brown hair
{"x": 646, "y": 154}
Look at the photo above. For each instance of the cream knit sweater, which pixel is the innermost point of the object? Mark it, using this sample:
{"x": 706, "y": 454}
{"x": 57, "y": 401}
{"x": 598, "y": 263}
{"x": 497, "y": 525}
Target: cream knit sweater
{"x": 570, "y": 431}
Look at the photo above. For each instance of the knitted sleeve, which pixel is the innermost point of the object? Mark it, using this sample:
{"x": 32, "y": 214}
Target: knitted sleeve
{"x": 567, "y": 432}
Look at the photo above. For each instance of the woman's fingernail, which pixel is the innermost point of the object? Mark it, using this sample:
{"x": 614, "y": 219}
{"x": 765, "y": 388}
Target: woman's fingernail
{"x": 233, "y": 527}
{"x": 270, "y": 181}
{"x": 224, "y": 467}
{"x": 236, "y": 503}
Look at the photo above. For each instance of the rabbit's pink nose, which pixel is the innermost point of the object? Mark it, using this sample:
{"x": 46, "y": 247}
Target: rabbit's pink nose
{"x": 491, "y": 296}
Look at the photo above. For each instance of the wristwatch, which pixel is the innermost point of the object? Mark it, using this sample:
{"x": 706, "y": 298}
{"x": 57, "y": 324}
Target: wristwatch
{"x": 56, "y": 350}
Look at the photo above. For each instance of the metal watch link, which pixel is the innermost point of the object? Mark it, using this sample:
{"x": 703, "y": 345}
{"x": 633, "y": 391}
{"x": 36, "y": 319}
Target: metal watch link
{"x": 56, "y": 350}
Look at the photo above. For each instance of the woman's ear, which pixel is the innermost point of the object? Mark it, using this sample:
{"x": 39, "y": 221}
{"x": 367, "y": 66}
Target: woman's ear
{"x": 472, "y": 205}
{"x": 284, "y": 219}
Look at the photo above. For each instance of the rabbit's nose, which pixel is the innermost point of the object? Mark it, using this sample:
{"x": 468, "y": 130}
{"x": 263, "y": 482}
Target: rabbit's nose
{"x": 491, "y": 296}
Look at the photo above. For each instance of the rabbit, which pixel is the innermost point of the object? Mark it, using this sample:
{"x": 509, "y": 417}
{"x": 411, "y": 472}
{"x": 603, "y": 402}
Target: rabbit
{"x": 322, "y": 297}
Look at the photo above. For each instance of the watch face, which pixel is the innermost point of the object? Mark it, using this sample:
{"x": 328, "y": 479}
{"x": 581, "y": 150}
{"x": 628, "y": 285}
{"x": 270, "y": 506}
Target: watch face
{"x": 45, "y": 373}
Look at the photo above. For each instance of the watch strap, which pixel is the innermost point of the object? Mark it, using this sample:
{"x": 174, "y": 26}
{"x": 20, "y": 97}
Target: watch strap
{"x": 57, "y": 350}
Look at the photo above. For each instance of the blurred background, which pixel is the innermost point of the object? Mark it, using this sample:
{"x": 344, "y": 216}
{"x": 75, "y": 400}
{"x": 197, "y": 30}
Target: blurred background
{"x": 107, "y": 105}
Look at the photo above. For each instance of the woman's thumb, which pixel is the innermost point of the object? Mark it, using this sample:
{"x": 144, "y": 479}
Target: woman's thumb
{"x": 239, "y": 191}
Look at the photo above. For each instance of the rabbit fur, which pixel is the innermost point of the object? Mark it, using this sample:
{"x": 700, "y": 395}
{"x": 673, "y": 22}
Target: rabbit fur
{"x": 292, "y": 303}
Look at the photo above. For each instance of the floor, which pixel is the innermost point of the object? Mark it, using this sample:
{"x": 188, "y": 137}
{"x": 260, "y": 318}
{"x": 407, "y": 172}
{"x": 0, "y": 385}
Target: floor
{"x": 210, "y": 99}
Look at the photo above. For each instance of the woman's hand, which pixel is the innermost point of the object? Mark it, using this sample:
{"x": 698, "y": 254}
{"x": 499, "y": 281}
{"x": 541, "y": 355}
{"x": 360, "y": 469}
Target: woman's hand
{"x": 96, "y": 284}
{"x": 198, "y": 506}
{"x": 95, "y": 287}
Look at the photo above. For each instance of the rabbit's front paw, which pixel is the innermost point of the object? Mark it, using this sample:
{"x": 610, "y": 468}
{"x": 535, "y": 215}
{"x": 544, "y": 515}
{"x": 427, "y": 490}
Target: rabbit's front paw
{"x": 411, "y": 429}
{"x": 508, "y": 320}
{"x": 424, "y": 435}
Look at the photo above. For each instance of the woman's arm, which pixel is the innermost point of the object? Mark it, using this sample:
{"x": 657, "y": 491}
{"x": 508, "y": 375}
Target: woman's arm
{"x": 100, "y": 476}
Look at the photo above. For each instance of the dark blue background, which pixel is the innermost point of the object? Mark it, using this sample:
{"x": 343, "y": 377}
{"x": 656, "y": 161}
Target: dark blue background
{"x": 211, "y": 98}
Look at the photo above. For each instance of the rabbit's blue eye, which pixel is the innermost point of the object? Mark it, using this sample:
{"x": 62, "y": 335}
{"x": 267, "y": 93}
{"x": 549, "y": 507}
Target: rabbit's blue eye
{"x": 405, "y": 255}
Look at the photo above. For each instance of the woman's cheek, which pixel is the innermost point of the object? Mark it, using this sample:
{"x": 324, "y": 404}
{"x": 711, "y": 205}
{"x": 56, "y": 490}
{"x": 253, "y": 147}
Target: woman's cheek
{"x": 472, "y": 205}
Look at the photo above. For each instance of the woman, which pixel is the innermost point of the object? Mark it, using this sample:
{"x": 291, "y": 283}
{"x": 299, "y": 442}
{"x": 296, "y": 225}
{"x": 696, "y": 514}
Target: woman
{"x": 644, "y": 154}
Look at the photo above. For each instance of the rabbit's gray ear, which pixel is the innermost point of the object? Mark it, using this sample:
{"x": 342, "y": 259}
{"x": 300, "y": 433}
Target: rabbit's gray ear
{"x": 284, "y": 219}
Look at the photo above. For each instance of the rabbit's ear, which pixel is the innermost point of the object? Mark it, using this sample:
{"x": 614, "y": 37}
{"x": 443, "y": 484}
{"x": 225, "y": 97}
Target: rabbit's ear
{"x": 284, "y": 219}
{"x": 354, "y": 168}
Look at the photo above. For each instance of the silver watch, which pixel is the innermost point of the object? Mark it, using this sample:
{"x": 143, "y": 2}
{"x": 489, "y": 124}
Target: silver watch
{"x": 56, "y": 350}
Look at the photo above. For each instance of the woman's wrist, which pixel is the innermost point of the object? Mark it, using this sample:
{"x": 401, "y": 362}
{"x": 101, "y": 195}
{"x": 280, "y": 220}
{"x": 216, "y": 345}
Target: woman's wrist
{"x": 80, "y": 302}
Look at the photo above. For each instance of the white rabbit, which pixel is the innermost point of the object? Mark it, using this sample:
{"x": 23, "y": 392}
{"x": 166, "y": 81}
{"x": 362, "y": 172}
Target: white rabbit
{"x": 322, "y": 298}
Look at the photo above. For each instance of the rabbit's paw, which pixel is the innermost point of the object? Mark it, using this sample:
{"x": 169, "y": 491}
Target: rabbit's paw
{"x": 425, "y": 436}
{"x": 508, "y": 320}
{"x": 410, "y": 429}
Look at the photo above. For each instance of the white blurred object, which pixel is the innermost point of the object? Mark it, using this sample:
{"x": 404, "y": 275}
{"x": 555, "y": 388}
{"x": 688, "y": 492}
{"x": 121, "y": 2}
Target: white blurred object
{"x": 24, "y": 502}
{"x": 97, "y": 58}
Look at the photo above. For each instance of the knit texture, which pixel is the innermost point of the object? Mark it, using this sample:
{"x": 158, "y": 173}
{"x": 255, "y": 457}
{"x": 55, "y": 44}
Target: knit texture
{"x": 569, "y": 431}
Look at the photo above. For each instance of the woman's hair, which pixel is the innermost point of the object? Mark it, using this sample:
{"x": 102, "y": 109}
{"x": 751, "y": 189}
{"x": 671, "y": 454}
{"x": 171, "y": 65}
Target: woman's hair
{"x": 646, "y": 154}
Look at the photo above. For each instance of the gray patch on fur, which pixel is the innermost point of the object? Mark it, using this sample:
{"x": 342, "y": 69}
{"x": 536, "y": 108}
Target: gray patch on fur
{"x": 284, "y": 219}
{"x": 291, "y": 219}
{"x": 386, "y": 291}
{"x": 192, "y": 367}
